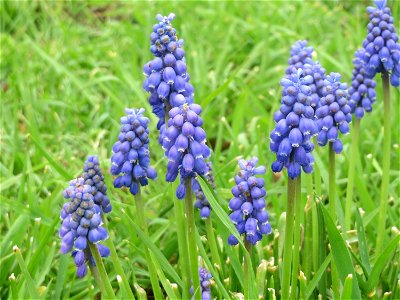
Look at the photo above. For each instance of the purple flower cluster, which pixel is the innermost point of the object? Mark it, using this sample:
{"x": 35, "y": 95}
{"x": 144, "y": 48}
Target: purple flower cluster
{"x": 248, "y": 203}
{"x": 205, "y": 283}
{"x": 131, "y": 152}
{"x": 382, "y": 50}
{"x": 167, "y": 79}
{"x": 295, "y": 125}
{"x": 81, "y": 224}
{"x": 185, "y": 145}
{"x": 362, "y": 90}
{"x": 94, "y": 177}
{"x": 201, "y": 201}
{"x": 333, "y": 114}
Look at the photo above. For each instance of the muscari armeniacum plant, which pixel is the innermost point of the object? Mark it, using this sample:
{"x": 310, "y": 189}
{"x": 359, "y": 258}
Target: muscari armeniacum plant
{"x": 82, "y": 230}
{"x": 131, "y": 164}
{"x": 184, "y": 140}
{"x": 291, "y": 141}
{"x": 205, "y": 284}
{"x": 362, "y": 96}
{"x": 248, "y": 209}
{"x": 382, "y": 55}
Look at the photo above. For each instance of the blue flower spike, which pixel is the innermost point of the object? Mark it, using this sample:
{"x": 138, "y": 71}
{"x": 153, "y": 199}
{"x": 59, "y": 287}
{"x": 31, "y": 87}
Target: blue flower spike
{"x": 248, "y": 203}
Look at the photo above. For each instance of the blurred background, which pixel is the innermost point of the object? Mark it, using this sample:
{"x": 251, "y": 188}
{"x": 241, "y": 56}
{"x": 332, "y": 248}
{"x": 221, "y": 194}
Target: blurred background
{"x": 68, "y": 70}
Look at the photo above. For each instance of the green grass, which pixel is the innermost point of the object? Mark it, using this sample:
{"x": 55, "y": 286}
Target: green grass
{"x": 68, "y": 70}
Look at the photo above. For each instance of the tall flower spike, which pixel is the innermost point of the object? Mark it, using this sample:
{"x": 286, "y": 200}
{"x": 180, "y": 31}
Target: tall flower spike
{"x": 382, "y": 50}
{"x": 248, "y": 203}
{"x": 94, "y": 177}
{"x": 81, "y": 224}
{"x": 362, "y": 90}
{"x": 201, "y": 201}
{"x": 167, "y": 79}
{"x": 291, "y": 137}
{"x": 205, "y": 283}
{"x": 185, "y": 145}
{"x": 131, "y": 155}
{"x": 334, "y": 114}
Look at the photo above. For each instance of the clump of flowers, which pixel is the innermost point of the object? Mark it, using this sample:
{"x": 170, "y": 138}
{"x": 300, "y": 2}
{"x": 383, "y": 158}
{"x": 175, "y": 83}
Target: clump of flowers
{"x": 167, "y": 78}
{"x": 382, "y": 50}
{"x": 131, "y": 155}
{"x": 201, "y": 201}
{"x": 94, "y": 177}
{"x": 290, "y": 139}
{"x": 81, "y": 224}
{"x": 205, "y": 284}
{"x": 333, "y": 114}
{"x": 248, "y": 203}
{"x": 185, "y": 145}
{"x": 362, "y": 90}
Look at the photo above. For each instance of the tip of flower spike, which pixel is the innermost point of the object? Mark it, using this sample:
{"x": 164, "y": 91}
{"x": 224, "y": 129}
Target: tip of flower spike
{"x": 165, "y": 19}
{"x": 380, "y": 3}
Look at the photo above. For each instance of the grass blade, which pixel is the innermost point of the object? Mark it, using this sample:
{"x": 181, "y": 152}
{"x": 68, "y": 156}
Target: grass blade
{"x": 317, "y": 277}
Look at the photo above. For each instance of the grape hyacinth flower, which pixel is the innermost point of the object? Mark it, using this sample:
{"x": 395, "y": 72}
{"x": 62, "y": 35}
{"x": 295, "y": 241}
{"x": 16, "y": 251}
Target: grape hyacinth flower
{"x": 131, "y": 155}
{"x": 334, "y": 114}
{"x": 362, "y": 90}
{"x": 167, "y": 78}
{"x": 205, "y": 283}
{"x": 201, "y": 201}
{"x": 248, "y": 203}
{"x": 185, "y": 145}
{"x": 94, "y": 177}
{"x": 382, "y": 50}
{"x": 81, "y": 224}
{"x": 291, "y": 137}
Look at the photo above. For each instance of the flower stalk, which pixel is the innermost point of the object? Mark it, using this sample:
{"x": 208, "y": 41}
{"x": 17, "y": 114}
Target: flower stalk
{"x": 191, "y": 238}
{"x": 386, "y": 162}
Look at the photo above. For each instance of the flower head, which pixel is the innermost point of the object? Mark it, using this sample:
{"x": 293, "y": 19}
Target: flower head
{"x": 94, "y": 177}
{"x": 131, "y": 155}
{"x": 167, "y": 78}
{"x": 300, "y": 54}
{"x": 334, "y": 114}
{"x": 248, "y": 203}
{"x": 291, "y": 137}
{"x": 205, "y": 284}
{"x": 81, "y": 224}
{"x": 201, "y": 201}
{"x": 362, "y": 90}
{"x": 185, "y": 145}
{"x": 382, "y": 50}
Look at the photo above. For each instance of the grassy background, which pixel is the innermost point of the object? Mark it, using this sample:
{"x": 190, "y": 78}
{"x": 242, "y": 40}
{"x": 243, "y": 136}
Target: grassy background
{"x": 68, "y": 70}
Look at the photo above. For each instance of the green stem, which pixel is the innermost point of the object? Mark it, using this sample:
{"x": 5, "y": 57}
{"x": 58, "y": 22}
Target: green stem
{"x": 184, "y": 260}
{"x": 152, "y": 269}
{"x": 351, "y": 174}
{"x": 287, "y": 251}
{"x": 297, "y": 234}
{"x": 102, "y": 274}
{"x": 332, "y": 206}
{"x": 213, "y": 244}
{"x": 246, "y": 278}
{"x": 309, "y": 252}
{"x": 386, "y": 163}
{"x": 117, "y": 264}
{"x": 191, "y": 238}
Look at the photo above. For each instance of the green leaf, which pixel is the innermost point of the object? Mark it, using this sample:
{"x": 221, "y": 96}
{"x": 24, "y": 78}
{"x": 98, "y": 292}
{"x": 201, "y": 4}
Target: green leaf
{"x": 340, "y": 253}
{"x": 382, "y": 262}
{"x": 156, "y": 252}
{"x": 316, "y": 278}
{"x": 347, "y": 288}
{"x": 362, "y": 243}
{"x": 223, "y": 217}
